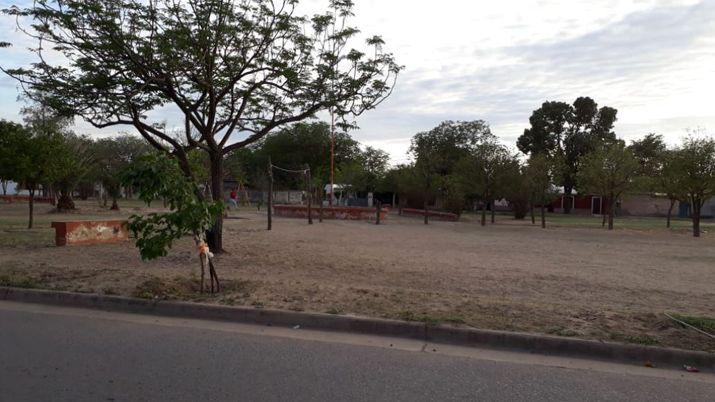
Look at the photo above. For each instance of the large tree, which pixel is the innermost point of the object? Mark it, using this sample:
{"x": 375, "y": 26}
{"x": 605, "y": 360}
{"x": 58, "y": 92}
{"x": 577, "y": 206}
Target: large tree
{"x": 234, "y": 70}
{"x": 10, "y": 136}
{"x": 113, "y": 157}
{"x": 540, "y": 173}
{"x": 659, "y": 171}
{"x": 611, "y": 171}
{"x": 294, "y": 146}
{"x": 568, "y": 132}
{"x": 437, "y": 153}
{"x": 32, "y": 159}
{"x": 72, "y": 158}
{"x": 485, "y": 171}
{"x": 694, "y": 162}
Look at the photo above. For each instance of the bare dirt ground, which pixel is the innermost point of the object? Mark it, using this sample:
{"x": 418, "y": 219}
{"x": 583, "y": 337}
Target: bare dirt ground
{"x": 581, "y": 282}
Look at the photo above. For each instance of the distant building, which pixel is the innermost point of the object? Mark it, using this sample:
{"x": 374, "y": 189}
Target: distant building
{"x": 628, "y": 205}
{"x": 11, "y": 188}
{"x": 708, "y": 211}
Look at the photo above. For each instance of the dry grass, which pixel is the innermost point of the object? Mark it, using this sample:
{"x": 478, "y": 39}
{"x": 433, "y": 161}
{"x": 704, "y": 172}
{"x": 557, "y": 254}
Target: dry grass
{"x": 567, "y": 281}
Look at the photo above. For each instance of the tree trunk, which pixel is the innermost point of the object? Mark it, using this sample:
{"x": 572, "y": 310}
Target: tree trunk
{"x": 531, "y": 210}
{"x": 309, "y": 193}
{"x": 670, "y": 212}
{"x": 4, "y": 187}
{"x": 492, "y": 211}
{"x": 696, "y": 205}
{"x": 543, "y": 217}
{"x": 214, "y": 236}
{"x": 484, "y": 214}
{"x": 567, "y": 194}
{"x": 270, "y": 195}
{"x": 611, "y": 212}
{"x": 378, "y": 210}
{"x": 393, "y": 199}
{"x": 65, "y": 203}
{"x": 425, "y": 211}
{"x": 115, "y": 206}
{"x": 31, "y": 205}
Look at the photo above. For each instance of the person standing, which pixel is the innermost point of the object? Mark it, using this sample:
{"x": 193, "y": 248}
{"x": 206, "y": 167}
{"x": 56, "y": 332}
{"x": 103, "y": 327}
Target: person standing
{"x": 233, "y": 198}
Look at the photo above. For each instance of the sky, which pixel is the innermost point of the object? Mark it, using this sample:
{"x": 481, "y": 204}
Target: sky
{"x": 654, "y": 61}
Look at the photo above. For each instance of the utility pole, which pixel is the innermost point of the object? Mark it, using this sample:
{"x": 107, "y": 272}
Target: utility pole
{"x": 270, "y": 194}
{"x": 332, "y": 157}
{"x": 309, "y": 193}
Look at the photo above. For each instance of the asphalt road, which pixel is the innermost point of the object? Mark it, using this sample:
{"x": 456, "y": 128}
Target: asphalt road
{"x": 55, "y": 354}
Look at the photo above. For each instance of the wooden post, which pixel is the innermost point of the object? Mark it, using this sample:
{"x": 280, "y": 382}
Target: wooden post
{"x": 309, "y": 192}
{"x": 270, "y": 194}
{"x": 492, "y": 210}
{"x": 320, "y": 208}
{"x": 379, "y": 209}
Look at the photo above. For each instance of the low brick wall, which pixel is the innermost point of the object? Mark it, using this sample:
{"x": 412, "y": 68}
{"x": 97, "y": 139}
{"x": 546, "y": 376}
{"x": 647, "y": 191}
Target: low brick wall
{"x": 24, "y": 198}
{"x": 73, "y": 233}
{"x": 442, "y": 216}
{"x": 343, "y": 213}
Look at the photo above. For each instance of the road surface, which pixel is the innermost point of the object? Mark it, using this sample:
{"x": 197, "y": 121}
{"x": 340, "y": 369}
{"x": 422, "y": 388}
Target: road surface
{"x": 61, "y": 354}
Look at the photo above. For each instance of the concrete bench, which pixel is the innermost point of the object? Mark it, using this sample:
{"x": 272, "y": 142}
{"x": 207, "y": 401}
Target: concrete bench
{"x": 72, "y": 233}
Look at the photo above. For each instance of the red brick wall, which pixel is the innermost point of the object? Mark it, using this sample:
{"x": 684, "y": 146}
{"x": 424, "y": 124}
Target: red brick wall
{"x": 24, "y": 198}
{"x": 443, "y": 216}
{"x": 344, "y": 213}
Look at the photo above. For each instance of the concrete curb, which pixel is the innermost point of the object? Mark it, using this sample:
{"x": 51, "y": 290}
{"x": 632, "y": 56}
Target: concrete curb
{"x": 532, "y": 343}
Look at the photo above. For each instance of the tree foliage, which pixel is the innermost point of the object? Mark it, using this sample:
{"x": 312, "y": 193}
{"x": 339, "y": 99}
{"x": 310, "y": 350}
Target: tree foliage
{"x": 610, "y": 171}
{"x": 113, "y": 156}
{"x": 485, "y": 171}
{"x": 568, "y": 132}
{"x": 12, "y": 138}
{"x": 157, "y": 176}
{"x": 540, "y": 172}
{"x": 437, "y": 154}
{"x": 694, "y": 164}
{"x": 28, "y": 158}
{"x": 235, "y": 70}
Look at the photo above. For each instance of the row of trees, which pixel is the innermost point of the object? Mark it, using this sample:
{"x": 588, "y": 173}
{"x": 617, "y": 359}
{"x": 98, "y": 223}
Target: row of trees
{"x": 462, "y": 164}
{"x": 360, "y": 167}
{"x": 234, "y": 70}
{"x": 43, "y": 154}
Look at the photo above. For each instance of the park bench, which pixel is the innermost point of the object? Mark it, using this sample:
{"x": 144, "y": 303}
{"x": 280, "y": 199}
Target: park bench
{"x": 70, "y": 233}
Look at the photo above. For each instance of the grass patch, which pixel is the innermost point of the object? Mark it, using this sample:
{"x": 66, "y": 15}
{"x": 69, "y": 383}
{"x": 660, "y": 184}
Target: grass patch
{"x": 561, "y": 331}
{"x": 26, "y": 237}
{"x": 18, "y": 281}
{"x": 454, "y": 319}
{"x": 407, "y": 315}
{"x": 595, "y": 222}
{"x": 642, "y": 340}
{"x": 334, "y": 310}
{"x": 704, "y": 323}
{"x": 183, "y": 288}
{"x": 158, "y": 288}
{"x": 645, "y": 340}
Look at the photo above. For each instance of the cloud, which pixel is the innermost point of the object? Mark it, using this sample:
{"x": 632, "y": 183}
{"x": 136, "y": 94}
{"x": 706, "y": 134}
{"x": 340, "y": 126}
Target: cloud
{"x": 655, "y": 65}
{"x": 652, "y": 60}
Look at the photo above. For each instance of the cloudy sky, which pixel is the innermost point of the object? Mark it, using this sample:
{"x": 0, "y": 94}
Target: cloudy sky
{"x": 498, "y": 60}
